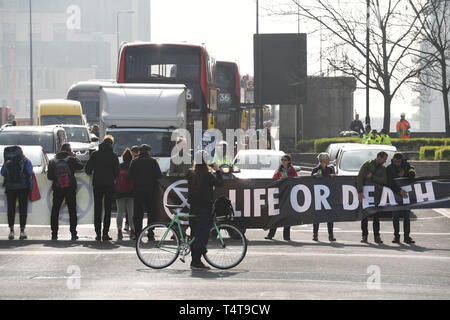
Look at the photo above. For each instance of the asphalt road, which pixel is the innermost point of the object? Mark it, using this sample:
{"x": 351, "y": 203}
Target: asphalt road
{"x": 38, "y": 268}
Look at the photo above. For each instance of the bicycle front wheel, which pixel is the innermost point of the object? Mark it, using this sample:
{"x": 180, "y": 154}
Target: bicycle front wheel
{"x": 226, "y": 247}
{"x": 158, "y": 246}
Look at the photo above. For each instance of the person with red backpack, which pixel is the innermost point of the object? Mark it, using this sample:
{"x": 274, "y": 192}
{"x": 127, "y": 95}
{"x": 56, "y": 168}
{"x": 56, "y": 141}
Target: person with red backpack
{"x": 61, "y": 171}
{"x": 124, "y": 195}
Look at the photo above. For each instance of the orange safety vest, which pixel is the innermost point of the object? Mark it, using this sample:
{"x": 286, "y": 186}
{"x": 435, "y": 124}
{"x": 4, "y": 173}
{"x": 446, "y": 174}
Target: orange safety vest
{"x": 403, "y": 129}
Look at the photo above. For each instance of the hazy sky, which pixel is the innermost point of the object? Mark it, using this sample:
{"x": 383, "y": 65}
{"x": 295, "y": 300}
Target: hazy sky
{"x": 227, "y": 28}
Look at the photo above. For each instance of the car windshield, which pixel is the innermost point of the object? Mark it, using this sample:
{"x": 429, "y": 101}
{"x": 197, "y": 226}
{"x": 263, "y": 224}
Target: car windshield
{"x": 77, "y": 134}
{"x": 35, "y": 156}
{"x": 159, "y": 141}
{"x": 60, "y": 119}
{"x": 258, "y": 161}
{"x": 28, "y": 138}
{"x": 354, "y": 159}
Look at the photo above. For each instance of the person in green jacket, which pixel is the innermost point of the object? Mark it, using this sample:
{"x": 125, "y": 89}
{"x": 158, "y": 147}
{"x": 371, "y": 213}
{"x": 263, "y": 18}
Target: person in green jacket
{"x": 367, "y": 135}
{"x": 385, "y": 139}
{"x": 221, "y": 159}
{"x": 372, "y": 171}
{"x": 375, "y": 137}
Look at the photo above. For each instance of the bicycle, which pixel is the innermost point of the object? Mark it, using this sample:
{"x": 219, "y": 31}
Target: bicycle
{"x": 226, "y": 246}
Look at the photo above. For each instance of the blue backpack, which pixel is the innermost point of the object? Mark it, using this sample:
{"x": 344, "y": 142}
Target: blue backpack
{"x": 15, "y": 177}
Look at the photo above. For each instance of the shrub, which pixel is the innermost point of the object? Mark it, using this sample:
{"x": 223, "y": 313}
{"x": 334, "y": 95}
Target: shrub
{"x": 443, "y": 153}
{"x": 428, "y": 153}
{"x": 305, "y": 146}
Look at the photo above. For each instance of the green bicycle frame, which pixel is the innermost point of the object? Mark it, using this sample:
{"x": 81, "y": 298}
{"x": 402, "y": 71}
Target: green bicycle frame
{"x": 178, "y": 222}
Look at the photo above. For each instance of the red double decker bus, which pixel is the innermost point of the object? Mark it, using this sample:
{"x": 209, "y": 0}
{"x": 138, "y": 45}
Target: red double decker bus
{"x": 191, "y": 65}
{"x": 229, "y": 98}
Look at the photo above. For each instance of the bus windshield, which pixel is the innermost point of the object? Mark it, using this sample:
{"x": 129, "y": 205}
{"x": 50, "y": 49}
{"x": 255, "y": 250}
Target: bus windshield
{"x": 44, "y": 139}
{"x": 160, "y": 142}
{"x": 153, "y": 63}
{"x": 60, "y": 119}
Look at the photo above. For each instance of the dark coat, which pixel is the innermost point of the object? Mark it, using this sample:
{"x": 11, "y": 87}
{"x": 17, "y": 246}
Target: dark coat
{"x": 393, "y": 173}
{"x": 202, "y": 196}
{"x": 105, "y": 165}
{"x": 74, "y": 165}
{"x": 144, "y": 171}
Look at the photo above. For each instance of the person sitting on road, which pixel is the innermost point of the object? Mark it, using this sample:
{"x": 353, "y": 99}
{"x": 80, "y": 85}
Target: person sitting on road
{"x": 323, "y": 170}
{"x": 286, "y": 170}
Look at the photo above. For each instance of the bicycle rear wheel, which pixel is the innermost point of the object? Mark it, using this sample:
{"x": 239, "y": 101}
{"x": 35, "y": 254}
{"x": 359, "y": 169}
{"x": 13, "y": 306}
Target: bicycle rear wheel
{"x": 159, "y": 251}
{"x": 228, "y": 250}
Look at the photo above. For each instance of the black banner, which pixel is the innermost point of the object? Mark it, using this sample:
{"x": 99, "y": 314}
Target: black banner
{"x": 265, "y": 203}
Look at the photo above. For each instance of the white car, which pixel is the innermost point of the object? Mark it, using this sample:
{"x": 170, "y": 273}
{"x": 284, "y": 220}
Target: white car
{"x": 257, "y": 164}
{"x": 80, "y": 140}
{"x": 351, "y": 157}
{"x": 333, "y": 149}
{"x": 35, "y": 154}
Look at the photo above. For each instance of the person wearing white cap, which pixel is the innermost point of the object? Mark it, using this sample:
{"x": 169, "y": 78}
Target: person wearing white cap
{"x": 403, "y": 127}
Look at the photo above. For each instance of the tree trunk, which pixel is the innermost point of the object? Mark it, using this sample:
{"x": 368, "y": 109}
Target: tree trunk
{"x": 387, "y": 113}
{"x": 445, "y": 94}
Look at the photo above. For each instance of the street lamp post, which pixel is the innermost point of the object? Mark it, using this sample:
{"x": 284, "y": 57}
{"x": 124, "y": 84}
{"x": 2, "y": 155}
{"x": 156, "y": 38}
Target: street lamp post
{"x": 31, "y": 67}
{"x": 117, "y": 26}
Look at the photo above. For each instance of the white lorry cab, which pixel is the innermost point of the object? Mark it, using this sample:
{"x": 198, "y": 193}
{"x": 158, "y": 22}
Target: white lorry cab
{"x": 135, "y": 114}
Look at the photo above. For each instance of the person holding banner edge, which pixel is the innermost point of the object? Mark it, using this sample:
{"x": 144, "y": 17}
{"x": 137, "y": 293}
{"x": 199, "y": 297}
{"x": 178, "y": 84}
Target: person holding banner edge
{"x": 286, "y": 170}
{"x": 398, "y": 168}
{"x": 373, "y": 171}
{"x": 323, "y": 170}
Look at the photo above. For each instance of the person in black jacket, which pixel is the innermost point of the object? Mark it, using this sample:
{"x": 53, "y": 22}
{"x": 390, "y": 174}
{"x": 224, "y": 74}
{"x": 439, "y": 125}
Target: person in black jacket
{"x": 144, "y": 171}
{"x": 61, "y": 171}
{"x": 105, "y": 165}
{"x": 398, "y": 168}
{"x": 201, "y": 183}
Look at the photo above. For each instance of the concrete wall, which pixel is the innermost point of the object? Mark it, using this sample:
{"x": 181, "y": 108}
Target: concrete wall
{"x": 328, "y": 111}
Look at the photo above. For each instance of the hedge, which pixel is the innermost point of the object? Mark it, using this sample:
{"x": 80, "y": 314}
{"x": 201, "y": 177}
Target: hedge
{"x": 320, "y": 145}
{"x": 443, "y": 153}
{"x": 306, "y": 146}
{"x": 428, "y": 153}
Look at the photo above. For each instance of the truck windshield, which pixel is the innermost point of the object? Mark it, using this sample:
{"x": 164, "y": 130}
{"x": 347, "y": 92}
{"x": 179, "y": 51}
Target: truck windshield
{"x": 60, "y": 119}
{"x": 75, "y": 134}
{"x": 28, "y": 138}
{"x": 159, "y": 141}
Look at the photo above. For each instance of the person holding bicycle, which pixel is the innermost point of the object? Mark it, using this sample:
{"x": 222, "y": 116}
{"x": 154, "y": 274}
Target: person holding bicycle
{"x": 201, "y": 183}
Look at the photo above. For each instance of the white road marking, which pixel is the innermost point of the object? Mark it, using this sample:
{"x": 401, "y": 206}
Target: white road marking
{"x": 444, "y": 212}
{"x": 250, "y": 253}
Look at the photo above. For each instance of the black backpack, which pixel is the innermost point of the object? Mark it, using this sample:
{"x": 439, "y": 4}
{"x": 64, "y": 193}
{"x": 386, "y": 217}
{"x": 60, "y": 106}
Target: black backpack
{"x": 223, "y": 209}
{"x": 63, "y": 174}
{"x": 15, "y": 177}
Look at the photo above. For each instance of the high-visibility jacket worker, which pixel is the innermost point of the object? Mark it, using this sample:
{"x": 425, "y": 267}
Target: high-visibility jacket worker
{"x": 367, "y": 135}
{"x": 375, "y": 137}
{"x": 385, "y": 139}
{"x": 403, "y": 128}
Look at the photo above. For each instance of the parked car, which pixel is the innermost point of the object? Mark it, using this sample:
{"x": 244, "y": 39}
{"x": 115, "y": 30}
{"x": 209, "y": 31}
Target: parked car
{"x": 351, "y": 157}
{"x": 257, "y": 164}
{"x": 50, "y": 138}
{"x": 333, "y": 149}
{"x": 81, "y": 141}
{"x": 35, "y": 154}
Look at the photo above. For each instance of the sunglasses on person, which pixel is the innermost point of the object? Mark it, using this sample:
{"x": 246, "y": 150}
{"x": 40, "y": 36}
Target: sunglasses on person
{"x": 284, "y": 159}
